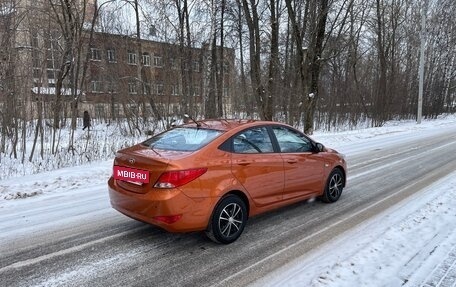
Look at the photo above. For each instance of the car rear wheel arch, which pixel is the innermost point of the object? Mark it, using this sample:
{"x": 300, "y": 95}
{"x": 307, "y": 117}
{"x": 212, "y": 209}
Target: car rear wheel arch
{"x": 239, "y": 194}
{"x": 242, "y": 196}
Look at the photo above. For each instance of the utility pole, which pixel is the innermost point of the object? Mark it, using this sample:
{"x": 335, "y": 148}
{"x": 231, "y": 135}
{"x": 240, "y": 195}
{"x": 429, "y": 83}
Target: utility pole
{"x": 421, "y": 68}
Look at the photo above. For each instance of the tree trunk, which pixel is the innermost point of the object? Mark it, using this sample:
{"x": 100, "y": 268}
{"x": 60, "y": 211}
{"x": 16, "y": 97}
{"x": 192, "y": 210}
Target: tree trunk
{"x": 251, "y": 15}
{"x": 316, "y": 66}
{"x": 273, "y": 62}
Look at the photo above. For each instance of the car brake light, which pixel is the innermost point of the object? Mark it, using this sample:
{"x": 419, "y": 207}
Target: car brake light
{"x": 172, "y": 179}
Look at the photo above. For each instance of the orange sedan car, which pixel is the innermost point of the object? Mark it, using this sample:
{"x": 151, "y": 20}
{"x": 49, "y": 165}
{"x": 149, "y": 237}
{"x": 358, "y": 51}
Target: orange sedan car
{"x": 212, "y": 175}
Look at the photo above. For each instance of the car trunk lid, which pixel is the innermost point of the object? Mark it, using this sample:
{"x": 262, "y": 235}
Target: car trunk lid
{"x": 143, "y": 160}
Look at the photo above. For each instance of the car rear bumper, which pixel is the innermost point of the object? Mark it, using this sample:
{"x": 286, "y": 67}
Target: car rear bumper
{"x": 146, "y": 207}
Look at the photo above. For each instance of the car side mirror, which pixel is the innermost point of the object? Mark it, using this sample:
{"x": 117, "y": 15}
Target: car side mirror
{"x": 320, "y": 147}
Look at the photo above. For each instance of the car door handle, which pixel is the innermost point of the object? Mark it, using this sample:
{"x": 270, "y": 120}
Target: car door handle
{"x": 292, "y": 161}
{"x": 243, "y": 162}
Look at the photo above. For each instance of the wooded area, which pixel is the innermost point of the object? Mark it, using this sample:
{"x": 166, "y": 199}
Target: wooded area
{"x": 314, "y": 64}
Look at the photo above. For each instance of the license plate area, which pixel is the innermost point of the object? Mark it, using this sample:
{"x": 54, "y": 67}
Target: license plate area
{"x": 131, "y": 175}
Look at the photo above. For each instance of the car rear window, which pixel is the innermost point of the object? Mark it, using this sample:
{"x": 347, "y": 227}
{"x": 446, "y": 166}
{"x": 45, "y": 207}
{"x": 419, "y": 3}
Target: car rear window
{"x": 182, "y": 139}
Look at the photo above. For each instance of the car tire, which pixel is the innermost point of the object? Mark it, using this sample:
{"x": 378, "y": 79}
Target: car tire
{"x": 228, "y": 220}
{"x": 334, "y": 186}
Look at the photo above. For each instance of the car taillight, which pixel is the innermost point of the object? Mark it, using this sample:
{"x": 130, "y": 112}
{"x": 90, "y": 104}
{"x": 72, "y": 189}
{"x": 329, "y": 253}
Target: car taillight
{"x": 172, "y": 179}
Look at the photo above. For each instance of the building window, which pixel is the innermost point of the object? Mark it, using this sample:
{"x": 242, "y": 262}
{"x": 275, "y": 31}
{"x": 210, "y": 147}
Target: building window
{"x": 35, "y": 41}
{"x": 115, "y": 110}
{"x": 146, "y": 59}
{"x": 196, "y": 66}
{"x": 112, "y": 86}
{"x": 226, "y": 92}
{"x": 131, "y": 58}
{"x": 173, "y": 63}
{"x": 37, "y": 73}
{"x": 158, "y": 61}
{"x": 186, "y": 65}
{"x": 100, "y": 111}
{"x": 132, "y": 87}
{"x": 147, "y": 89}
{"x": 50, "y": 74}
{"x": 196, "y": 91}
{"x": 50, "y": 63}
{"x": 111, "y": 55}
{"x": 36, "y": 62}
{"x": 97, "y": 86}
{"x": 95, "y": 54}
{"x": 175, "y": 90}
{"x": 159, "y": 89}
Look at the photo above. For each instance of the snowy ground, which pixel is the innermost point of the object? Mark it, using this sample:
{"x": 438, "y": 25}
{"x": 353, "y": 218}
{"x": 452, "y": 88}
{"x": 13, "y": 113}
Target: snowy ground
{"x": 412, "y": 244}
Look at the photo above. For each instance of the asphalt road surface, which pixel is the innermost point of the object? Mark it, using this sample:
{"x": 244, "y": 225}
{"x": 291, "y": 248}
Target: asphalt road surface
{"x": 101, "y": 247}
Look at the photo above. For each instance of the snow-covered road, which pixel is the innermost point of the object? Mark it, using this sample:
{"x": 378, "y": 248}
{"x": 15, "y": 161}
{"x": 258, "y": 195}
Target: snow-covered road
{"x": 57, "y": 228}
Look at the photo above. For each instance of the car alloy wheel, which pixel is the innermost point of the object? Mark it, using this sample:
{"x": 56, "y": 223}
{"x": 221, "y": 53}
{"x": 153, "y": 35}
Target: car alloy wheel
{"x": 228, "y": 220}
{"x": 334, "y": 186}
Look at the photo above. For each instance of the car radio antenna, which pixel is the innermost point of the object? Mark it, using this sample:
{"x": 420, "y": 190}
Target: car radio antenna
{"x": 198, "y": 125}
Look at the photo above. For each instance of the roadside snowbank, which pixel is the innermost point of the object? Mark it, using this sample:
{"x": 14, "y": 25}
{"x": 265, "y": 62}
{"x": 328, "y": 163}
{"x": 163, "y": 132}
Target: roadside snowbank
{"x": 393, "y": 132}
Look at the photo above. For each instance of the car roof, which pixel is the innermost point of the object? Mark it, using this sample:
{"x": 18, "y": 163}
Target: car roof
{"x": 225, "y": 124}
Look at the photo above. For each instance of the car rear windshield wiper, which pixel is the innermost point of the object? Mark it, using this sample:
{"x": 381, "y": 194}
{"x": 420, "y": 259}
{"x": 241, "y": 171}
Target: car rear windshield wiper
{"x": 152, "y": 148}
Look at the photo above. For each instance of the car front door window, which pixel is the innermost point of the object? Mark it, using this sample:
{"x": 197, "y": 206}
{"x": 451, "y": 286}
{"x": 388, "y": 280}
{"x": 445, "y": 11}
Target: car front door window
{"x": 291, "y": 141}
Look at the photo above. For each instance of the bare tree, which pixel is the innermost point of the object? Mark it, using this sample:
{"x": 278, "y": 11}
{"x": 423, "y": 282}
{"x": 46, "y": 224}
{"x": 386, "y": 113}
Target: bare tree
{"x": 309, "y": 58}
{"x": 250, "y": 8}
{"x": 66, "y": 15}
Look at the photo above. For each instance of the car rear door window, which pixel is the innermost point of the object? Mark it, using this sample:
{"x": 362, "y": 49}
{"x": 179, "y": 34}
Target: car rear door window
{"x": 253, "y": 140}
